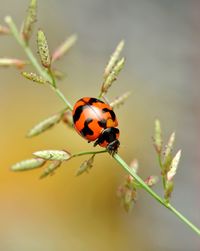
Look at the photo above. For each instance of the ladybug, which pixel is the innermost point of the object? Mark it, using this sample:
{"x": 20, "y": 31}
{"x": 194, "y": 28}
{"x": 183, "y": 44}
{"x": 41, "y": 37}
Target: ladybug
{"x": 95, "y": 121}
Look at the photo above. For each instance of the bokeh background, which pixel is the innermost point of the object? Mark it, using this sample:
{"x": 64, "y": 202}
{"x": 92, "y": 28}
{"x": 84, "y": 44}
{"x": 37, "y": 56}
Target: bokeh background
{"x": 65, "y": 212}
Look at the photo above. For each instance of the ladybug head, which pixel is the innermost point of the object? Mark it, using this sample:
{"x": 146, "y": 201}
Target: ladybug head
{"x": 109, "y": 139}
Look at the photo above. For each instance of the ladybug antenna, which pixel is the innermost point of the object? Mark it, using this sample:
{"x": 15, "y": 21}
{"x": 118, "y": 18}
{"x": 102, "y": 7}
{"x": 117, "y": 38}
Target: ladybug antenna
{"x": 106, "y": 100}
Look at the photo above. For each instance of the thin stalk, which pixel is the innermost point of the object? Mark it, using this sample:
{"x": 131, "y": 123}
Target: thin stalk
{"x": 52, "y": 78}
{"x": 138, "y": 179}
{"x": 62, "y": 97}
{"x": 87, "y": 153}
{"x": 45, "y": 74}
{"x": 155, "y": 195}
{"x": 100, "y": 95}
{"x": 183, "y": 218}
{"x": 161, "y": 166}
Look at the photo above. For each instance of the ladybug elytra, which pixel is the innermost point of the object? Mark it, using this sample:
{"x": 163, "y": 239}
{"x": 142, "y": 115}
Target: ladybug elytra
{"x": 95, "y": 121}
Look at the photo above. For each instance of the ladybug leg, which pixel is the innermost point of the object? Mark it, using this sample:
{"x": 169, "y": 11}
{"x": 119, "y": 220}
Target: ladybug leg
{"x": 99, "y": 141}
{"x": 101, "y": 138}
{"x": 108, "y": 139}
{"x": 113, "y": 146}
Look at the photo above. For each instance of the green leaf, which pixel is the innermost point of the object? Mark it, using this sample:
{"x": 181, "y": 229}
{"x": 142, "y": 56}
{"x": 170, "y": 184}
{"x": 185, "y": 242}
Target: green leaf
{"x": 28, "y": 164}
{"x": 53, "y": 155}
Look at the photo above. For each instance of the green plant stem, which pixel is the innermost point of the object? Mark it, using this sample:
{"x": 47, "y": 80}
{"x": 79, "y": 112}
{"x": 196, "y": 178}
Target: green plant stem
{"x": 137, "y": 178}
{"x": 183, "y": 218}
{"x": 155, "y": 195}
{"x": 45, "y": 74}
{"x": 87, "y": 153}
{"x": 161, "y": 166}
{"x": 62, "y": 97}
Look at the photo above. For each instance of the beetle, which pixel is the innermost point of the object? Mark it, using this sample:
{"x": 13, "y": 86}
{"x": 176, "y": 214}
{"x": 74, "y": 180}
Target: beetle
{"x": 96, "y": 121}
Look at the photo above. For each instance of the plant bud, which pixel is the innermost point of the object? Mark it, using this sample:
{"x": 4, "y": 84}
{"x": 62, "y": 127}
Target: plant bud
{"x": 45, "y": 125}
{"x": 53, "y": 155}
{"x": 85, "y": 166}
{"x": 34, "y": 77}
{"x": 158, "y": 137}
{"x": 112, "y": 75}
{"x": 120, "y": 100}
{"x": 43, "y": 49}
{"x": 6, "y": 62}
{"x": 64, "y": 48}
{"x": 151, "y": 180}
{"x": 51, "y": 168}
{"x": 28, "y": 164}
{"x": 174, "y": 165}
{"x": 113, "y": 59}
{"x": 168, "y": 189}
{"x": 27, "y": 28}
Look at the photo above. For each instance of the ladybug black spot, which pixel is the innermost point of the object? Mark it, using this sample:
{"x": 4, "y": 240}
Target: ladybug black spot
{"x": 86, "y": 130}
{"x": 78, "y": 112}
{"x": 94, "y": 100}
{"x": 102, "y": 123}
{"x": 112, "y": 114}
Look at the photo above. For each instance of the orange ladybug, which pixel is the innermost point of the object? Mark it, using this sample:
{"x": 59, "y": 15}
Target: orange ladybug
{"x": 96, "y": 121}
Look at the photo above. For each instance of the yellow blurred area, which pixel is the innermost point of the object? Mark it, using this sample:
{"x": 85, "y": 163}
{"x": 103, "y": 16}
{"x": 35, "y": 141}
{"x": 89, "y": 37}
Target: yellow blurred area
{"x": 65, "y": 212}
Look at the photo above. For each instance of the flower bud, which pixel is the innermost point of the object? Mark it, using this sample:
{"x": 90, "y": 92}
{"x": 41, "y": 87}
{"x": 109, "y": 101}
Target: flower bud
{"x": 28, "y": 164}
{"x": 158, "y": 137}
{"x": 113, "y": 59}
{"x": 44, "y": 125}
{"x": 120, "y": 100}
{"x": 27, "y": 28}
{"x": 174, "y": 165}
{"x": 51, "y": 168}
{"x": 85, "y": 166}
{"x": 43, "y": 49}
{"x": 6, "y": 62}
{"x": 64, "y": 47}
{"x": 34, "y": 77}
{"x": 53, "y": 155}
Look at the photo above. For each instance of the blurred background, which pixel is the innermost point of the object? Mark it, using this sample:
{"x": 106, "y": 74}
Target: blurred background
{"x": 65, "y": 212}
